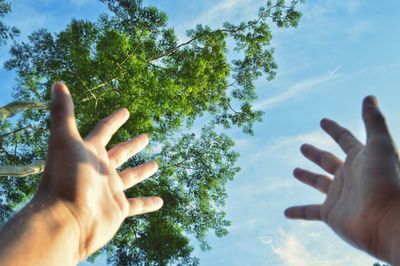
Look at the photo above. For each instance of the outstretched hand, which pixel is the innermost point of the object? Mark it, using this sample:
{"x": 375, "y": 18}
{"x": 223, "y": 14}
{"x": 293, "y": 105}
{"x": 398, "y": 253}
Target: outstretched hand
{"x": 362, "y": 193}
{"x": 81, "y": 175}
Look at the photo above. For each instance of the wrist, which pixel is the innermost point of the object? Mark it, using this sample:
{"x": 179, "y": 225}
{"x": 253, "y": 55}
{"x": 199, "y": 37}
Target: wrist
{"x": 42, "y": 233}
{"x": 53, "y": 218}
{"x": 389, "y": 235}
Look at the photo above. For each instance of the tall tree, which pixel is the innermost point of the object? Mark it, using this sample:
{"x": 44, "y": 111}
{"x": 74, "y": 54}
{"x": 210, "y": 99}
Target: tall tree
{"x": 132, "y": 59}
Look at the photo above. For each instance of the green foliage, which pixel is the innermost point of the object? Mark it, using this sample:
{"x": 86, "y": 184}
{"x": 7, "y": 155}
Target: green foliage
{"x": 132, "y": 59}
{"x": 6, "y": 32}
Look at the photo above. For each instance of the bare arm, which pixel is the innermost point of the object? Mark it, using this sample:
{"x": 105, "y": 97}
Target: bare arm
{"x": 80, "y": 203}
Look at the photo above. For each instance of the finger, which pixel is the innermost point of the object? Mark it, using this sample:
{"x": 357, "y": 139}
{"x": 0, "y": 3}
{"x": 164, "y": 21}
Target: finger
{"x": 307, "y": 212}
{"x": 62, "y": 112}
{"x": 324, "y": 159}
{"x": 341, "y": 135}
{"x": 144, "y": 205}
{"x": 120, "y": 153}
{"x": 107, "y": 127}
{"x": 378, "y": 136}
{"x": 373, "y": 118}
{"x": 135, "y": 175}
{"x": 320, "y": 182}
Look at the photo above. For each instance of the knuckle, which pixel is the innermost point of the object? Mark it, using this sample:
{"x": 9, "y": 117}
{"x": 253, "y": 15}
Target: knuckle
{"x": 104, "y": 123}
{"x": 304, "y": 212}
{"x": 342, "y": 136}
{"x": 328, "y": 162}
{"x": 375, "y": 115}
{"x": 315, "y": 181}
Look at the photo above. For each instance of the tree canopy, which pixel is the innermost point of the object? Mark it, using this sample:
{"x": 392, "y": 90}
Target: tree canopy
{"x": 131, "y": 58}
{"x": 6, "y": 32}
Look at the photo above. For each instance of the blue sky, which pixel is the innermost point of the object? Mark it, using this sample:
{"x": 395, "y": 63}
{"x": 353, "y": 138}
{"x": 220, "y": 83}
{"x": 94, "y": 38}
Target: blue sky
{"x": 341, "y": 52}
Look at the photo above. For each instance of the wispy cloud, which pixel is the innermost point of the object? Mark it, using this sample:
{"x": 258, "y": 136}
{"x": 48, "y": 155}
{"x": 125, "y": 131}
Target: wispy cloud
{"x": 225, "y": 10}
{"x": 286, "y": 149}
{"x": 297, "y": 88}
{"x": 316, "y": 137}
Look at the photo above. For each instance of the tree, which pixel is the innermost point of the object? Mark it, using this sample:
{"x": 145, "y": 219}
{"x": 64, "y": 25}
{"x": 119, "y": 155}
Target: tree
{"x": 6, "y": 32}
{"x": 132, "y": 59}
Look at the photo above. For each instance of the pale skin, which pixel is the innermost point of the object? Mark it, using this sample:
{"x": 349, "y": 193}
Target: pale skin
{"x": 362, "y": 202}
{"x": 80, "y": 203}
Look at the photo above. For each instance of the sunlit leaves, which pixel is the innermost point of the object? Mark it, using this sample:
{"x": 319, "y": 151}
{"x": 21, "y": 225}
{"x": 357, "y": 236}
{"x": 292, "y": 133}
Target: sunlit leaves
{"x": 131, "y": 58}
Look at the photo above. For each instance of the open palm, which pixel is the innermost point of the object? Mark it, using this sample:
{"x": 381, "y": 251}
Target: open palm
{"x": 82, "y": 175}
{"x": 363, "y": 198}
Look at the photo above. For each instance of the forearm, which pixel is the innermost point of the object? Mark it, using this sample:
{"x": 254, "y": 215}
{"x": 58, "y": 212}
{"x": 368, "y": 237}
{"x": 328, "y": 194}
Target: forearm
{"x": 39, "y": 234}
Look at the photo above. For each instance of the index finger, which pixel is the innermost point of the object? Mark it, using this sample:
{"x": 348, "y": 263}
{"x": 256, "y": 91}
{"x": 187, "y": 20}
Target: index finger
{"x": 324, "y": 159}
{"x": 120, "y": 153}
{"x": 107, "y": 127}
{"x": 341, "y": 135}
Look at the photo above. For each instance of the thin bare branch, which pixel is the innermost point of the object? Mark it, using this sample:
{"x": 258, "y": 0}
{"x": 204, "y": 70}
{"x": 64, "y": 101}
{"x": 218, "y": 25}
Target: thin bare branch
{"x": 14, "y": 132}
{"x": 15, "y": 107}
{"x": 253, "y": 23}
{"x": 22, "y": 170}
{"x": 173, "y": 50}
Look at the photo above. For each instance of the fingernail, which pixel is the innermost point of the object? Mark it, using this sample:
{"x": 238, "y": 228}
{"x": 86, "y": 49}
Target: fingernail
{"x": 56, "y": 87}
{"x": 155, "y": 164}
{"x": 144, "y": 135}
{"x": 303, "y": 147}
{"x": 160, "y": 202}
{"x": 126, "y": 111}
{"x": 323, "y": 122}
{"x": 372, "y": 100}
{"x": 296, "y": 172}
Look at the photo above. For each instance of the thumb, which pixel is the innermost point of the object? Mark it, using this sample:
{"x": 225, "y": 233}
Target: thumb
{"x": 375, "y": 123}
{"x": 62, "y": 112}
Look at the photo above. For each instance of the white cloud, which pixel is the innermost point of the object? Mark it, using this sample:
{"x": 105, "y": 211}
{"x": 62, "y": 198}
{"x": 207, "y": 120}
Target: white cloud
{"x": 293, "y": 249}
{"x": 296, "y": 89}
{"x": 224, "y": 10}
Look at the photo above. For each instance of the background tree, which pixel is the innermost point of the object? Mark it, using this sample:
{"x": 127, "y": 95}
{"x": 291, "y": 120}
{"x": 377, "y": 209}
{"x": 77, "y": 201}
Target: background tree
{"x": 131, "y": 58}
{"x": 6, "y": 32}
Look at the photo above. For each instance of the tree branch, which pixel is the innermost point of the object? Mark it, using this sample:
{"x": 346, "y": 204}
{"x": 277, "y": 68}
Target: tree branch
{"x": 103, "y": 84}
{"x": 13, "y": 132}
{"x": 173, "y": 50}
{"x": 15, "y": 107}
{"x": 22, "y": 170}
{"x": 230, "y": 107}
